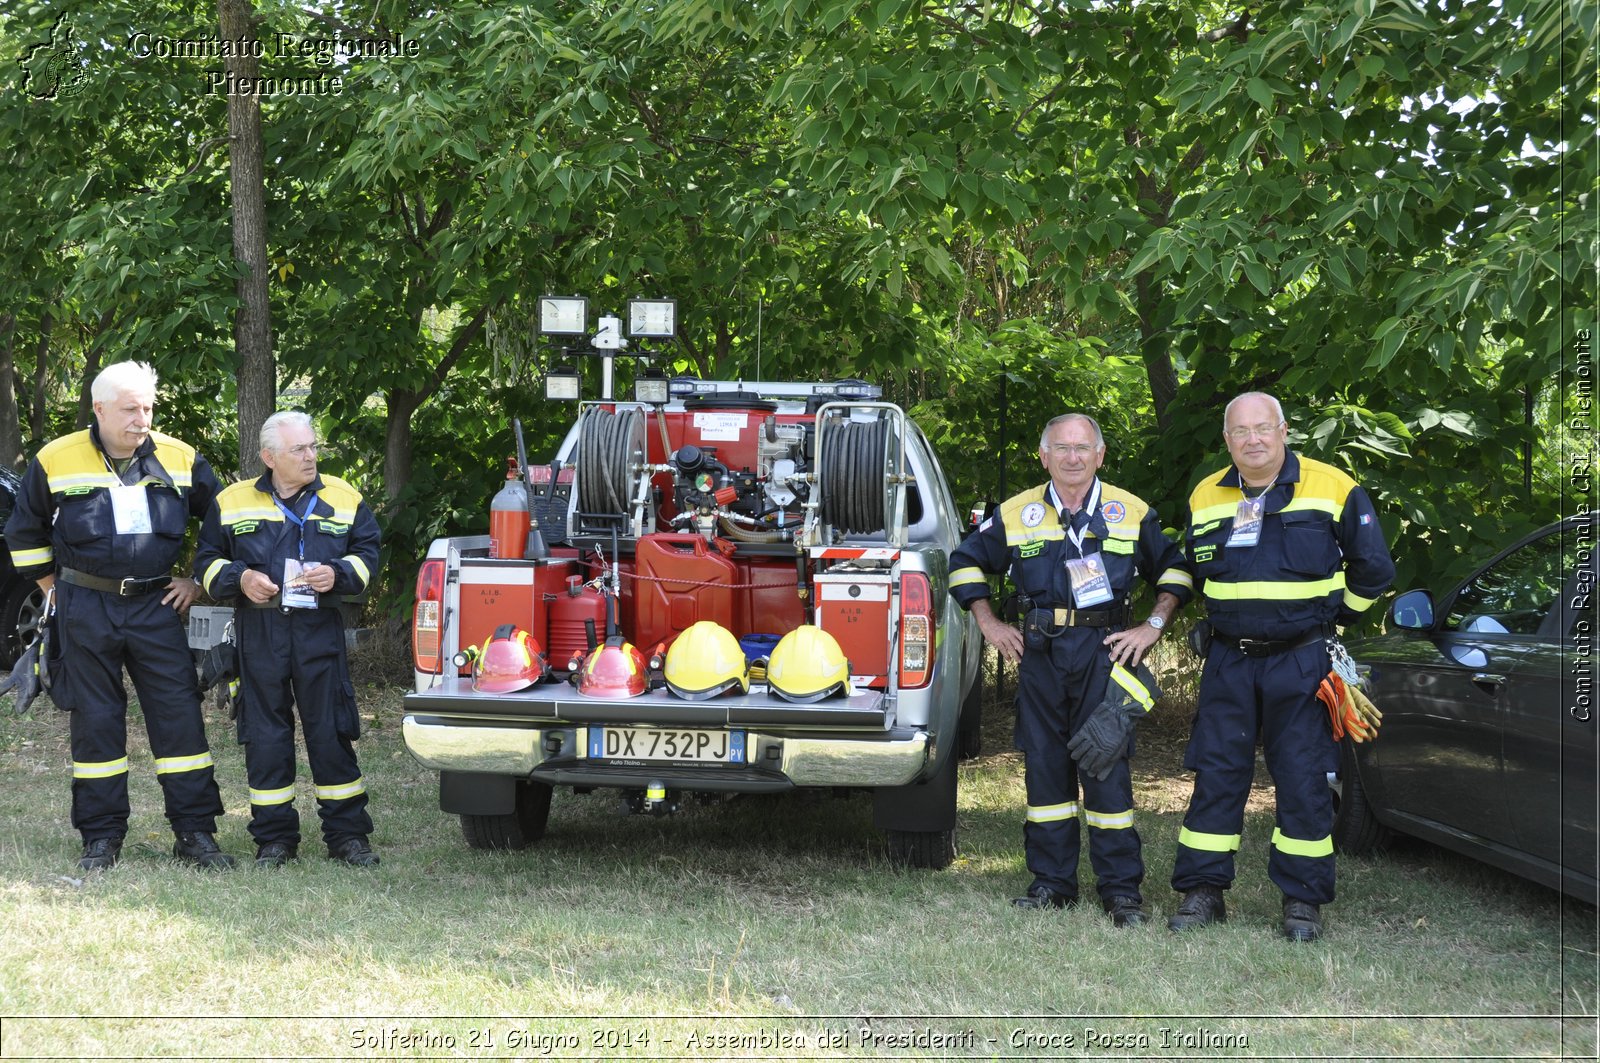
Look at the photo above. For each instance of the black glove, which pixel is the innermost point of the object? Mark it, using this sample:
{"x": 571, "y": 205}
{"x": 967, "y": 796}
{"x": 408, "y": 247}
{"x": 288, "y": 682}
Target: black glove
{"x": 220, "y": 668}
{"x": 1102, "y": 740}
{"x": 23, "y": 682}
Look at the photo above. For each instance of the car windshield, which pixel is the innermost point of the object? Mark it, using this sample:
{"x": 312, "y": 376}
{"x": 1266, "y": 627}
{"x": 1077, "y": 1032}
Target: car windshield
{"x": 1514, "y": 595}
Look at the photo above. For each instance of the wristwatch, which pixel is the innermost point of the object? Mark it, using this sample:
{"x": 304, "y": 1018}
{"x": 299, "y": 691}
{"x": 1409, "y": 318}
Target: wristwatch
{"x": 1157, "y": 622}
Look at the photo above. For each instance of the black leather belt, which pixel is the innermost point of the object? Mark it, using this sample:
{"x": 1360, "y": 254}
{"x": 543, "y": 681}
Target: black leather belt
{"x": 127, "y": 587}
{"x": 1083, "y": 617}
{"x": 1271, "y": 647}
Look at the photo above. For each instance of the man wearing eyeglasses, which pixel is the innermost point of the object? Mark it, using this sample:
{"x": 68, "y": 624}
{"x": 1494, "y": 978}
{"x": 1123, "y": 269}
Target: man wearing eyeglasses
{"x": 287, "y": 548}
{"x": 1074, "y": 547}
{"x": 100, "y": 521}
{"x": 1282, "y": 547}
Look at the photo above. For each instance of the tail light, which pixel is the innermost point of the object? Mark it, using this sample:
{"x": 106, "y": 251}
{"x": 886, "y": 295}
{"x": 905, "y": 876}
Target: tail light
{"x": 918, "y": 628}
{"x": 427, "y": 618}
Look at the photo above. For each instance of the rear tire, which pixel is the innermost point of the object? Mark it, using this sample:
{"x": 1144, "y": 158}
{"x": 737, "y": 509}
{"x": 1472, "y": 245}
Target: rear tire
{"x": 517, "y": 829}
{"x": 970, "y": 731}
{"x": 932, "y": 850}
{"x": 20, "y": 615}
{"x": 1356, "y": 831}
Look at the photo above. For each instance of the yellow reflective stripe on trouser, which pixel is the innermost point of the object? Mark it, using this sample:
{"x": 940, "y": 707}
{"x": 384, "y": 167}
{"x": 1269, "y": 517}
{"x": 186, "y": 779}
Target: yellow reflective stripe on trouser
{"x": 1355, "y": 602}
{"x": 168, "y": 765}
{"x": 966, "y": 575}
{"x": 1136, "y": 690}
{"x": 1052, "y": 813}
{"x": 103, "y": 769}
{"x": 1210, "y": 843}
{"x": 1299, "y": 847}
{"x": 1109, "y": 820}
{"x": 281, "y": 796}
{"x": 342, "y": 791}
{"x": 1274, "y": 590}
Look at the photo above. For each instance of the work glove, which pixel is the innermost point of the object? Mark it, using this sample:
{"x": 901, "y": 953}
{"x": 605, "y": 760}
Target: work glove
{"x": 219, "y": 668}
{"x": 1349, "y": 710}
{"x": 1102, "y": 740}
{"x": 23, "y": 683}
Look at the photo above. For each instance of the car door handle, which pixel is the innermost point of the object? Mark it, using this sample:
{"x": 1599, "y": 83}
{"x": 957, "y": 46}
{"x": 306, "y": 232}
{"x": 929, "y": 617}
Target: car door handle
{"x": 1488, "y": 681}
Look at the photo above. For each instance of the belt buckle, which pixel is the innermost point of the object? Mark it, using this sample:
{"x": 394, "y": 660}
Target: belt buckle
{"x": 1254, "y": 647}
{"x": 122, "y": 588}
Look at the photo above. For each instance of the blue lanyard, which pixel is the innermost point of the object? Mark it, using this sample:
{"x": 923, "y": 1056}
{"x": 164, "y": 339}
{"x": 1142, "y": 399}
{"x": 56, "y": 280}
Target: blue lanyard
{"x": 300, "y": 521}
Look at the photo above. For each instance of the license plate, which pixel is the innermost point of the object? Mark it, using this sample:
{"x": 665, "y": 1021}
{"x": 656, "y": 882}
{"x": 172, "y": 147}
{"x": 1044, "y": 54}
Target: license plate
{"x": 664, "y": 745}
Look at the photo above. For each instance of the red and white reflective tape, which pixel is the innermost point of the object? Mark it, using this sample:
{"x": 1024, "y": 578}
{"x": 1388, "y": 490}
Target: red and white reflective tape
{"x": 854, "y": 553}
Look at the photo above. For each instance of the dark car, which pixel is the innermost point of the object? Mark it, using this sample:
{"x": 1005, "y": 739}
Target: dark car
{"x": 1488, "y": 744}
{"x": 21, "y": 601}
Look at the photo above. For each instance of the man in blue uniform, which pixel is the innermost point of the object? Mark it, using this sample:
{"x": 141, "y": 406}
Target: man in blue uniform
{"x": 99, "y": 523}
{"x": 1282, "y": 547}
{"x": 291, "y": 544}
{"x": 1074, "y": 547}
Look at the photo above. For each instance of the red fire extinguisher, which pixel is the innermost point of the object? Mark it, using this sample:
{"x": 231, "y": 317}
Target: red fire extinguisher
{"x": 508, "y": 516}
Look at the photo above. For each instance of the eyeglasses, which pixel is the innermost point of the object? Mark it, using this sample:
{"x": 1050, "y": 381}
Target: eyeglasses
{"x": 303, "y": 449}
{"x": 1076, "y": 450}
{"x": 1244, "y": 432}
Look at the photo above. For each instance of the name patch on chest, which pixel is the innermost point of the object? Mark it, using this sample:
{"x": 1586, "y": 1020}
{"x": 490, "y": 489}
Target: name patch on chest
{"x": 1031, "y": 549}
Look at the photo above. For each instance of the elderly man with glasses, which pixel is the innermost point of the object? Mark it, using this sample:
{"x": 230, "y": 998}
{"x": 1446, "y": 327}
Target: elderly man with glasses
{"x": 287, "y": 548}
{"x": 1281, "y": 547}
{"x": 1074, "y": 547}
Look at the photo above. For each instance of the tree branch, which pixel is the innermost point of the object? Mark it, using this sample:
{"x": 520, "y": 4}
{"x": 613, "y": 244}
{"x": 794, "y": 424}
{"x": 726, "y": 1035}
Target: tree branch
{"x": 205, "y": 149}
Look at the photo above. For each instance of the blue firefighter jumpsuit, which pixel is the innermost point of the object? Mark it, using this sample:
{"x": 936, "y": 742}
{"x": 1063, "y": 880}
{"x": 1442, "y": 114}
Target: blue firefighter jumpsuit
{"x": 1320, "y": 559}
{"x": 1063, "y": 675}
{"x": 109, "y": 617}
{"x": 294, "y": 657}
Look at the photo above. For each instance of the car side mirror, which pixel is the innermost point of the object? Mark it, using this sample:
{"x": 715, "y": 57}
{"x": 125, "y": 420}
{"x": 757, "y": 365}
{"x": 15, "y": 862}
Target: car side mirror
{"x": 1413, "y": 610}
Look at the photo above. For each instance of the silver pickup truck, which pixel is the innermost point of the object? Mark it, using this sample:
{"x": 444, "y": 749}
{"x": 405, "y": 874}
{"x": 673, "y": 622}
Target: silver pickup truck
{"x": 760, "y": 507}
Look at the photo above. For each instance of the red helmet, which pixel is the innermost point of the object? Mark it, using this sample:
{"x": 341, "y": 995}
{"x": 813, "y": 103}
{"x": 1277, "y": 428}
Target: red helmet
{"x": 614, "y": 669}
{"x": 510, "y": 660}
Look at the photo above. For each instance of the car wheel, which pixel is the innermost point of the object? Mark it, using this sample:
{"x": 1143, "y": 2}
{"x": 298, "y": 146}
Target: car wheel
{"x": 1356, "y": 831}
{"x": 930, "y": 849}
{"x": 517, "y": 829}
{"x": 970, "y": 731}
{"x": 20, "y": 615}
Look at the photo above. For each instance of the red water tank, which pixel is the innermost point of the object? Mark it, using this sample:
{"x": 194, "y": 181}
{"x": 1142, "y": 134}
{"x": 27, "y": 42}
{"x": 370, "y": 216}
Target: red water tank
{"x": 508, "y": 516}
{"x": 569, "y": 636}
{"x": 679, "y": 580}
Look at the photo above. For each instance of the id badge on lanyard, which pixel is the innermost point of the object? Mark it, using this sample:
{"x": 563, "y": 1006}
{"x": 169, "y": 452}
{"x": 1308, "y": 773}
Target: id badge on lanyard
{"x": 1091, "y": 584}
{"x": 1247, "y": 521}
{"x": 297, "y": 592}
{"x": 130, "y": 510}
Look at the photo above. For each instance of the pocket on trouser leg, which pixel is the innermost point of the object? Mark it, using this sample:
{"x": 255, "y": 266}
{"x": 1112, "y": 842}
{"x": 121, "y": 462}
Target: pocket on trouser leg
{"x": 347, "y": 717}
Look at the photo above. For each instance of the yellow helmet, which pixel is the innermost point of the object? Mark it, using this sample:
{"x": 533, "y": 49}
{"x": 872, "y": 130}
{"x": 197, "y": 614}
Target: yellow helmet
{"x": 704, "y": 661}
{"x": 807, "y": 665}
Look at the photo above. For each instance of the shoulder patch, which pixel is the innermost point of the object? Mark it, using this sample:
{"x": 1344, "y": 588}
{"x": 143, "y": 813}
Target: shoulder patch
{"x": 1032, "y": 514}
{"x": 1113, "y": 512}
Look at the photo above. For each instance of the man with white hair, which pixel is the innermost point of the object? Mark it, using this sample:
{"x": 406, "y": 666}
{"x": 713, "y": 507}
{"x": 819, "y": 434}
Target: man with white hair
{"x": 288, "y": 547}
{"x": 100, "y": 523}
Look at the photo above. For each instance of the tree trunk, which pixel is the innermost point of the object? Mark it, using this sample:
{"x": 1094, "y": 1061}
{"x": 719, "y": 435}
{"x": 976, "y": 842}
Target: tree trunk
{"x": 1155, "y": 348}
{"x": 402, "y": 405}
{"x": 10, "y": 423}
{"x": 91, "y": 369}
{"x": 41, "y": 381}
{"x": 257, "y": 372}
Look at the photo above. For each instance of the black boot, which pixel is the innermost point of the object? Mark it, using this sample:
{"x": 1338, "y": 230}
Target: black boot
{"x": 1302, "y": 920}
{"x": 100, "y": 854}
{"x": 199, "y": 848}
{"x": 1201, "y": 906}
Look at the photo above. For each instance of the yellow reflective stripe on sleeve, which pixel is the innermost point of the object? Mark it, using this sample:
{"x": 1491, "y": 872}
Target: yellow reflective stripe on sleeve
{"x": 1117, "y": 546}
{"x": 1052, "y": 813}
{"x": 281, "y": 796}
{"x": 1210, "y": 843}
{"x": 1136, "y": 690}
{"x": 104, "y": 769}
{"x": 211, "y": 572}
{"x": 1177, "y": 577}
{"x": 1354, "y": 601}
{"x": 42, "y": 555}
{"x": 1297, "y": 847}
{"x": 1109, "y": 820}
{"x": 1274, "y": 590}
{"x": 962, "y": 576}
{"x": 339, "y": 793}
{"x": 360, "y": 567}
{"x": 173, "y": 765}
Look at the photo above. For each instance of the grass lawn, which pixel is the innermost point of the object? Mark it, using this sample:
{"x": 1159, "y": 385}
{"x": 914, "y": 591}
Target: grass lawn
{"x": 762, "y": 927}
